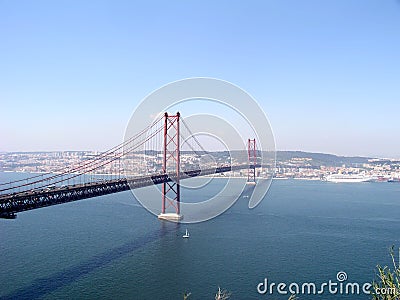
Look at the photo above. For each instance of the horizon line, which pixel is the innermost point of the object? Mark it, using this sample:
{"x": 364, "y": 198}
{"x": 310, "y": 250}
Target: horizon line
{"x": 215, "y": 151}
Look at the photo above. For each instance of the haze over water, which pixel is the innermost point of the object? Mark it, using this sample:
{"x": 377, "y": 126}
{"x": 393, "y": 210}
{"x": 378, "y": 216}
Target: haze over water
{"x": 110, "y": 247}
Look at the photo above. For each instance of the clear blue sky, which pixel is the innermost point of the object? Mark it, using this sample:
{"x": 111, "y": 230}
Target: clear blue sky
{"x": 327, "y": 73}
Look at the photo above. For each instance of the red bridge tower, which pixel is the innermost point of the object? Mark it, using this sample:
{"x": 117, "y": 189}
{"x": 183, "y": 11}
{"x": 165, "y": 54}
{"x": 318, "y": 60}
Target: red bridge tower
{"x": 171, "y": 167}
{"x": 252, "y": 157}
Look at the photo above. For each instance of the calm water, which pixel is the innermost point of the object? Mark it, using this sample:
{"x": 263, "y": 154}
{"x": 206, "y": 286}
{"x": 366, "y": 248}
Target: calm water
{"x": 111, "y": 248}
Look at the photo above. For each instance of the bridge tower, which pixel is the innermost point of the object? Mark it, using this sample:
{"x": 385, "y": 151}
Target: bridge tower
{"x": 170, "y": 197}
{"x": 252, "y": 157}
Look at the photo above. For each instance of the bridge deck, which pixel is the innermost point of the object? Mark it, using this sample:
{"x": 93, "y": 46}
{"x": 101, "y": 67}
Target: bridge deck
{"x": 10, "y": 204}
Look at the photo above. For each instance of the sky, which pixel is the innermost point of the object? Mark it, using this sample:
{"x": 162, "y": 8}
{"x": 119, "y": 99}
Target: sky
{"x": 326, "y": 73}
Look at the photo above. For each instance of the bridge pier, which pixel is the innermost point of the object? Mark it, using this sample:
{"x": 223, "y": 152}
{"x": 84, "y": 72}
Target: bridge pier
{"x": 8, "y": 215}
{"x": 170, "y": 217}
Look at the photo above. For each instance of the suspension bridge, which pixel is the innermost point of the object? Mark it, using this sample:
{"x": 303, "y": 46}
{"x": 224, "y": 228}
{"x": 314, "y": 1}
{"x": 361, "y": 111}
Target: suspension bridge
{"x": 165, "y": 153}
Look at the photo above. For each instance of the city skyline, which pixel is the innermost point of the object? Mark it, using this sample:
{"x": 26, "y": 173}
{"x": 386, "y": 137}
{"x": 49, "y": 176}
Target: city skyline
{"x": 325, "y": 73}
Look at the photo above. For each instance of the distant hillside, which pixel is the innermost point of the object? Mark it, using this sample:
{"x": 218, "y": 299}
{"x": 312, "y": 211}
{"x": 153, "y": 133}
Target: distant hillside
{"x": 319, "y": 159}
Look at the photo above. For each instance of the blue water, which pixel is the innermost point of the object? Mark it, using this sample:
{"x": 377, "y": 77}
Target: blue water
{"x": 111, "y": 248}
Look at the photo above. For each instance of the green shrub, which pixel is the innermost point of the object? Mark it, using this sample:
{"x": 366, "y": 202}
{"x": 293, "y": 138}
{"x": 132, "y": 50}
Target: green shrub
{"x": 388, "y": 286}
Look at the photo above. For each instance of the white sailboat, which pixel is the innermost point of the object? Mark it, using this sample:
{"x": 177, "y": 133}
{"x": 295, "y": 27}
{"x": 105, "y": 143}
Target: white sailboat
{"x": 186, "y": 235}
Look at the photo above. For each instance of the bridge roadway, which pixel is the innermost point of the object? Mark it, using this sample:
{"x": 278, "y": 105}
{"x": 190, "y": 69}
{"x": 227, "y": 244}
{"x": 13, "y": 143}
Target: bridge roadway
{"x": 10, "y": 204}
